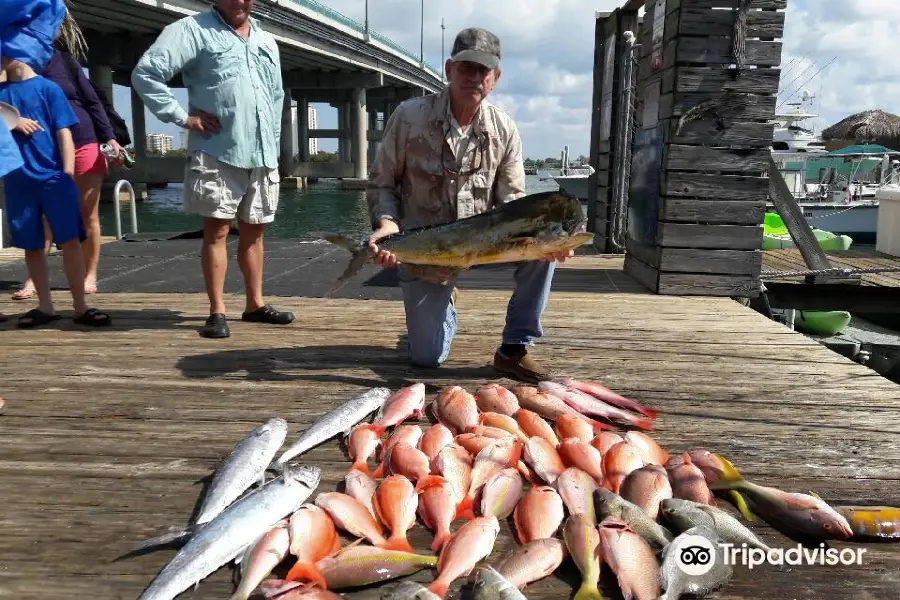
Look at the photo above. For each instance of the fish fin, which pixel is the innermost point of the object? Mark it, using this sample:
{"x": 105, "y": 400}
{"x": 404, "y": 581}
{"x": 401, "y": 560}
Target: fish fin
{"x": 816, "y": 496}
{"x": 588, "y": 591}
{"x": 306, "y": 571}
{"x": 741, "y": 505}
{"x": 162, "y": 540}
{"x": 361, "y": 466}
{"x": 645, "y": 424}
{"x": 439, "y": 540}
{"x": 360, "y": 253}
{"x": 400, "y": 544}
{"x": 378, "y": 473}
{"x": 439, "y": 589}
{"x": 730, "y": 478}
{"x": 465, "y": 510}
{"x": 428, "y": 481}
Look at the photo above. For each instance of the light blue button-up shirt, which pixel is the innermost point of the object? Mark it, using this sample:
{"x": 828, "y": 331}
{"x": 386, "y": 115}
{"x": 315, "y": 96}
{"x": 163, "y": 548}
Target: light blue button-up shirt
{"x": 238, "y": 80}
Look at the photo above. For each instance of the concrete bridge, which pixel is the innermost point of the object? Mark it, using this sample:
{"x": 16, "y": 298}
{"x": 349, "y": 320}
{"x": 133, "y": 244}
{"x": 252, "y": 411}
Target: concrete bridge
{"x": 325, "y": 56}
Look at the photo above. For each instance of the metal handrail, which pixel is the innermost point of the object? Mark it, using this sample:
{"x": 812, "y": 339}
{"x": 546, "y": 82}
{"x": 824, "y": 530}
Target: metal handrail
{"x": 116, "y": 191}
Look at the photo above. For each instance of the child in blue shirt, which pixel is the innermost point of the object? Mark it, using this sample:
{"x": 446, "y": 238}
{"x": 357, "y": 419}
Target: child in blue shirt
{"x": 43, "y": 188}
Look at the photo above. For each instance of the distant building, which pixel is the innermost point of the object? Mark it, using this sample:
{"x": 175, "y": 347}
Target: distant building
{"x": 184, "y": 138}
{"x": 158, "y": 143}
{"x": 312, "y": 123}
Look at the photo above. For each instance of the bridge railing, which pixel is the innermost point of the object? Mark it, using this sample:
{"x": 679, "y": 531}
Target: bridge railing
{"x": 355, "y": 25}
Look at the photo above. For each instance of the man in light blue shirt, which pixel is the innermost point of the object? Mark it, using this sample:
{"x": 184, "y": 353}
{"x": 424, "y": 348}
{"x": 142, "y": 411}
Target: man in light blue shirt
{"x": 232, "y": 71}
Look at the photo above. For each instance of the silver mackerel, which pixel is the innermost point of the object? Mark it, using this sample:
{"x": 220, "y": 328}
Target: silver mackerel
{"x": 228, "y": 535}
{"x": 338, "y": 420}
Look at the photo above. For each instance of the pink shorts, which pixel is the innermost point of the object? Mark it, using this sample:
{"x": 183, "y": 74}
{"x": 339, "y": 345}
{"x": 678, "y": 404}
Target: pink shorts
{"x": 89, "y": 160}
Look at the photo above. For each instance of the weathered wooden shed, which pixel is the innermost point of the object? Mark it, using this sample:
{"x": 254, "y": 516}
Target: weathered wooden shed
{"x": 683, "y": 101}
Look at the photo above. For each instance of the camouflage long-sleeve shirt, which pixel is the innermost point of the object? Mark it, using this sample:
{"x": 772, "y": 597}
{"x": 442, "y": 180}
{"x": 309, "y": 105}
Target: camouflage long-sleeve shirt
{"x": 418, "y": 179}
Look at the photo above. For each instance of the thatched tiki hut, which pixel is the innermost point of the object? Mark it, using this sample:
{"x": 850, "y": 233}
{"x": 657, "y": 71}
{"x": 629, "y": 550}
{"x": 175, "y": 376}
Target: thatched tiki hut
{"x": 868, "y": 127}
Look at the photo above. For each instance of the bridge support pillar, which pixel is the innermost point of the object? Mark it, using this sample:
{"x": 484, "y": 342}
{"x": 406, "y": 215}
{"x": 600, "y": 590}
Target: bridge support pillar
{"x": 286, "y": 149}
{"x": 303, "y": 129}
{"x": 373, "y": 126}
{"x": 138, "y": 126}
{"x": 341, "y": 125}
{"x": 358, "y": 132}
{"x": 102, "y": 77}
{"x": 346, "y": 131}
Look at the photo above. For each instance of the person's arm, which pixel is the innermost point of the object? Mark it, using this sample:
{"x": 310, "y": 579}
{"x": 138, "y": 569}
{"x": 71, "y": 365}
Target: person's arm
{"x": 62, "y": 118}
{"x": 509, "y": 183}
{"x": 172, "y": 51}
{"x": 92, "y": 103}
{"x": 66, "y": 150}
{"x": 387, "y": 171}
{"x": 381, "y": 191}
{"x": 278, "y": 94}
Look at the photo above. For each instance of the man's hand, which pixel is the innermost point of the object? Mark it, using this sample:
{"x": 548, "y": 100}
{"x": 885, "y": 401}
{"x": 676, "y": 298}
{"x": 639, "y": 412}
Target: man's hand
{"x": 203, "y": 123}
{"x": 119, "y": 151}
{"x": 560, "y": 257}
{"x": 28, "y": 127}
{"x": 383, "y": 258}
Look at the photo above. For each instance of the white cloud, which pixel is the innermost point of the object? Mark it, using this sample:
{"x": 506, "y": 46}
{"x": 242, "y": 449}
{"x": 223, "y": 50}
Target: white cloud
{"x": 844, "y": 47}
{"x": 548, "y": 48}
{"x": 548, "y": 54}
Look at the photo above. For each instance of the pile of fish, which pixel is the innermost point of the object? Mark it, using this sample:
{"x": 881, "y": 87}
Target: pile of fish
{"x": 548, "y": 456}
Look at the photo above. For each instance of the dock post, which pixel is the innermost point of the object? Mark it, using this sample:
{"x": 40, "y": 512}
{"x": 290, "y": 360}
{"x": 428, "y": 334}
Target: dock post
{"x": 612, "y": 127}
{"x": 699, "y": 176}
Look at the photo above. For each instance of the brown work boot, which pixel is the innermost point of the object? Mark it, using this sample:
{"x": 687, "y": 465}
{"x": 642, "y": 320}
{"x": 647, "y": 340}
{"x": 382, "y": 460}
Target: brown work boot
{"x": 520, "y": 366}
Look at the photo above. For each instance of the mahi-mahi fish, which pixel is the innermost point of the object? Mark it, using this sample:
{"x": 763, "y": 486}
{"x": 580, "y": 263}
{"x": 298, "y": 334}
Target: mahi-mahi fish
{"x": 227, "y": 536}
{"x": 529, "y": 228}
{"x": 338, "y": 420}
{"x": 245, "y": 465}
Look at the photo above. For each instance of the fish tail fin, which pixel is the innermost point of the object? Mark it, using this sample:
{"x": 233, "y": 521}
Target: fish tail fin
{"x": 439, "y": 539}
{"x": 645, "y": 424}
{"x": 306, "y": 571}
{"x": 730, "y": 477}
{"x": 361, "y": 466}
{"x": 650, "y": 413}
{"x": 588, "y": 591}
{"x": 428, "y": 481}
{"x": 378, "y": 473}
{"x": 439, "y": 588}
{"x": 466, "y": 509}
{"x": 359, "y": 253}
{"x": 598, "y": 426}
{"x": 741, "y": 505}
{"x": 398, "y": 543}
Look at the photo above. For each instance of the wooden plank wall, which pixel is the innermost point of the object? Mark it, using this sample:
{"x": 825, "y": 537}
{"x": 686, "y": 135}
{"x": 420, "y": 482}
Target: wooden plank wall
{"x": 699, "y": 179}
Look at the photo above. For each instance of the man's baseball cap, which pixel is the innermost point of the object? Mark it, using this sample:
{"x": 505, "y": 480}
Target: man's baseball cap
{"x": 476, "y": 45}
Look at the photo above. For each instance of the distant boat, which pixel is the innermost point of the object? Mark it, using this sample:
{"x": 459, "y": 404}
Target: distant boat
{"x": 573, "y": 180}
{"x": 531, "y": 171}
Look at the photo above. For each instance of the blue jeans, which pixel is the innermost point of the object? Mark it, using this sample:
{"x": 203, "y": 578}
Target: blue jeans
{"x": 431, "y": 321}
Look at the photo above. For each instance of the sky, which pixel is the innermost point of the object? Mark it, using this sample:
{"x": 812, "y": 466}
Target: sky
{"x": 836, "y": 49}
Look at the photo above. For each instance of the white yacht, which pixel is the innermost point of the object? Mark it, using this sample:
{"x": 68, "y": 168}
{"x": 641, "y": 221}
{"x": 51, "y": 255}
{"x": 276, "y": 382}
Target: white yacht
{"x": 573, "y": 180}
{"x": 835, "y": 190}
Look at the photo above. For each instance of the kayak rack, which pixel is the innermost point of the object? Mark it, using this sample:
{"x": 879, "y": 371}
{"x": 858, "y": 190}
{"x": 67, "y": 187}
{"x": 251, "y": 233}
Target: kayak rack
{"x": 117, "y": 190}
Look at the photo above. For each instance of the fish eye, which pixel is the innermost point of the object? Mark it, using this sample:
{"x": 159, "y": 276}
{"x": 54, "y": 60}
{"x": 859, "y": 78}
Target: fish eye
{"x": 827, "y": 526}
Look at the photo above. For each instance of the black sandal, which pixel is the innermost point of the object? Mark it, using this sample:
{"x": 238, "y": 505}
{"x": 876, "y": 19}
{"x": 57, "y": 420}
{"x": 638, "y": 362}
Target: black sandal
{"x": 216, "y": 326}
{"x": 268, "y": 314}
{"x": 94, "y": 318}
{"x": 35, "y": 318}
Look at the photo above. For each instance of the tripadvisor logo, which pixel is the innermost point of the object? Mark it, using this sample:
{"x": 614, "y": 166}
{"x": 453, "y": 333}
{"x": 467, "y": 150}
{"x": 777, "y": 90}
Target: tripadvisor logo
{"x": 697, "y": 556}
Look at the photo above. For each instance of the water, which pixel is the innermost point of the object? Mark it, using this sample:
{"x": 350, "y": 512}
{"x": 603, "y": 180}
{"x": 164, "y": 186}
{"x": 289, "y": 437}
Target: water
{"x": 322, "y": 207}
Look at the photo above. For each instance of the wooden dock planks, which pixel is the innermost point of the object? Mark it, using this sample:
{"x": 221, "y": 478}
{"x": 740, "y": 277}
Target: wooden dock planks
{"x": 790, "y": 260}
{"x": 107, "y": 433}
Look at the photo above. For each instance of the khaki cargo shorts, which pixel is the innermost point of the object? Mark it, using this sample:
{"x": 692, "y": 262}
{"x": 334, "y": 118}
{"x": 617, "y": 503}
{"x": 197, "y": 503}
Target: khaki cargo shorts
{"x": 217, "y": 190}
